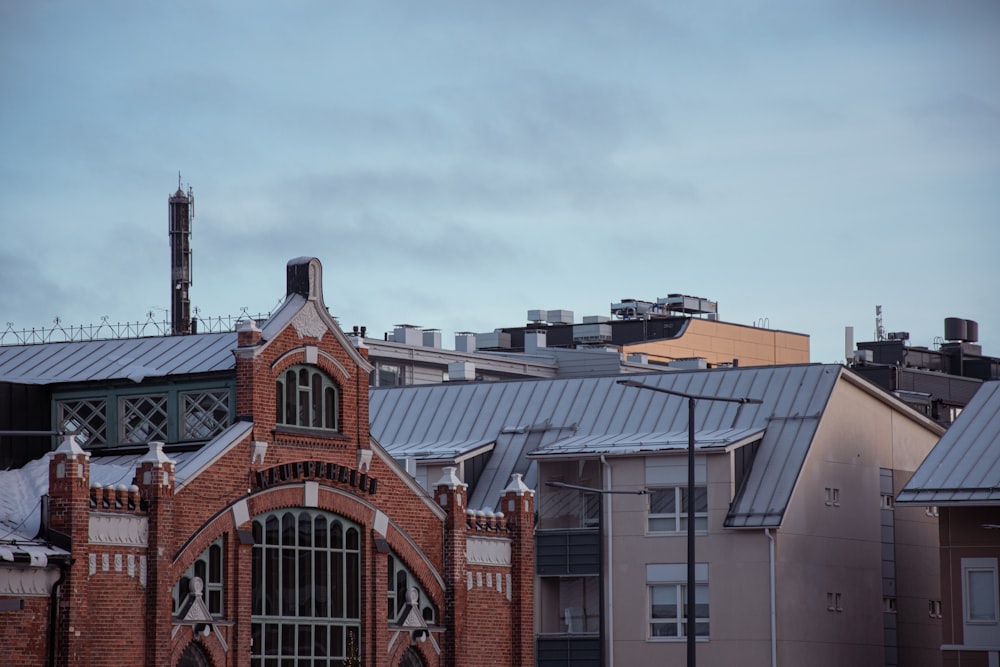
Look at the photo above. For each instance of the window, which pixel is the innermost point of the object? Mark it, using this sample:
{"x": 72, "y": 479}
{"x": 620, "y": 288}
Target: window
{"x": 668, "y": 509}
{"x": 570, "y": 605}
{"x": 400, "y": 581}
{"x": 388, "y": 375}
{"x": 143, "y": 419}
{"x": 204, "y": 413}
{"x": 87, "y": 417}
{"x": 307, "y": 397}
{"x": 208, "y": 568}
{"x": 981, "y": 594}
{"x": 306, "y": 598}
{"x": 667, "y": 591}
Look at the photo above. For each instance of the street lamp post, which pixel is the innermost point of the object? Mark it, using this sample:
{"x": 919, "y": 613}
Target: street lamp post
{"x": 692, "y": 400}
{"x": 600, "y": 536}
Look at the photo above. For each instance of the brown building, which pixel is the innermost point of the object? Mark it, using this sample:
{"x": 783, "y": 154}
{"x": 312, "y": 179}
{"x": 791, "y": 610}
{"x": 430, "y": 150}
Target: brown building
{"x": 217, "y": 499}
{"x": 960, "y": 483}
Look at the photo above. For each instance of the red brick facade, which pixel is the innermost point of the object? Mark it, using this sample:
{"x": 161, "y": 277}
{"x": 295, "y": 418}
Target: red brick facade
{"x": 115, "y": 595}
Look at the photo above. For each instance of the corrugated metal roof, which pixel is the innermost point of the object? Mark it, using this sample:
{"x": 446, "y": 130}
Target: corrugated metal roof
{"x": 133, "y": 359}
{"x": 964, "y": 466}
{"x": 588, "y": 416}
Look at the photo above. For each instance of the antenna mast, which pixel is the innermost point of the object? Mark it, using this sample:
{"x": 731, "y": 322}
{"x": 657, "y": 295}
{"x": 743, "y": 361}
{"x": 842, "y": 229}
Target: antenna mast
{"x": 181, "y": 213}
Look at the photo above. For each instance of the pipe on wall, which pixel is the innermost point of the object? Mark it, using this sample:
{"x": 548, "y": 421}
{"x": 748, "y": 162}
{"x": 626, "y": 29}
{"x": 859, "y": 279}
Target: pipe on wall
{"x": 774, "y": 615}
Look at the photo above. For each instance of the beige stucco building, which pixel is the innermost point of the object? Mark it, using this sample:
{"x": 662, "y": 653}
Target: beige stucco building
{"x": 801, "y": 556}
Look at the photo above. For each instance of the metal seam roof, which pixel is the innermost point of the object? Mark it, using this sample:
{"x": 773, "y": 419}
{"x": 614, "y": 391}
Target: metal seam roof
{"x": 964, "y": 466}
{"x": 570, "y": 415}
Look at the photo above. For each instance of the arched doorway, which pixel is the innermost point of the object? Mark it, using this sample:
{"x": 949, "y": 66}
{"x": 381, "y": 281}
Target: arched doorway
{"x": 411, "y": 659}
{"x": 193, "y": 656}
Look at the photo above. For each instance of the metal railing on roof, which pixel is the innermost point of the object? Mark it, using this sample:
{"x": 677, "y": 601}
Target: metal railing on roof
{"x": 60, "y": 333}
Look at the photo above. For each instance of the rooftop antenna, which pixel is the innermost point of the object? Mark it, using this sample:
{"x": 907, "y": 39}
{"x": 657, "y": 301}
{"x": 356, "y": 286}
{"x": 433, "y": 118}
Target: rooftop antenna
{"x": 879, "y": 329}
{"x": 181, "y": 212}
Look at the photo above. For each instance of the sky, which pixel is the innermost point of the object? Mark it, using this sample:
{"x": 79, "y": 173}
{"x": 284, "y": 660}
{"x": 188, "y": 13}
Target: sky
{"x": 454, "y": 164}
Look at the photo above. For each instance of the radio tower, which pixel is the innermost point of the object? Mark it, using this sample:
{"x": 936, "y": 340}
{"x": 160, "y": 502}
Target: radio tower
{"x": 181, "y": 207}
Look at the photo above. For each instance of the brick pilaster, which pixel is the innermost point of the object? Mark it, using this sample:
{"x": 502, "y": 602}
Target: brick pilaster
{"x": 518, "y": 503}
{"x": 451, "y": 494}
{"x": 69, "y": 516}
{"x": 155, "y": 474}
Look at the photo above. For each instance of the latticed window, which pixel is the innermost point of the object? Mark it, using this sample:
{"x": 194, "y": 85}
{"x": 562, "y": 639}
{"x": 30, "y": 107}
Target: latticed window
{"x": 306, "y": 589}
{"x": 402, "y": 580}
{"x": 208, "y": 568}
{"x": 143, "y": 418}
{"x": 87, "y": 417}
{"x": 204, "y": 413}
{"x": 305, "y": 396}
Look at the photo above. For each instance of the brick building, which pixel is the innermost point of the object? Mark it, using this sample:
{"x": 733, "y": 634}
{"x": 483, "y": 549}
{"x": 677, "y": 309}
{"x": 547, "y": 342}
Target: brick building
{"x": 216, "y": 499}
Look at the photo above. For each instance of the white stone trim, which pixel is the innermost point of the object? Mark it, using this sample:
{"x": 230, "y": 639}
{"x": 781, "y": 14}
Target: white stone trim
{"x": 27, "y": 581}
{"x": 118, "y": 530}
{"x": 488, "y": 551}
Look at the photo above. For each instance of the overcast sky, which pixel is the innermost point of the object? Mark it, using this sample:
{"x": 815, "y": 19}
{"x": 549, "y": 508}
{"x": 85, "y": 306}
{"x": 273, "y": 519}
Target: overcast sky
{"x": 454, "y": 164}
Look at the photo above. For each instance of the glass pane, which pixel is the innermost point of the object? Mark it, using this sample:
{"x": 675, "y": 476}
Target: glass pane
{"x": 305, "y": 529}
{"x": 257, "y": 579}
{"x": 215, "y": 564}
{"x": 279, "y": 401}
{"x": 982, "y": 595}
{"x": 330, "y": 408}
{"x": 352, "y": 538}
{"x": 288, "y": 582}
{"x": 353, "y": 586}
{"x": 322, "y": 579}
{"x": 291, "y": 392}
{"x": 663, "y": 525}
{"x": 272, "y": 589}
{"x": 320, "y": 534}
{"x": 305, "y": 583}
{"x": 272, "y": 530}
{"x": 317, "y": 398}
{"x": 288, "y": 529}
{"x": 288, "y": 639}
{"x": 662, "y": 501}
{"x": 700, "y": 499}
{"x": 664, "y": 602}
{"x": 305, "y": 640}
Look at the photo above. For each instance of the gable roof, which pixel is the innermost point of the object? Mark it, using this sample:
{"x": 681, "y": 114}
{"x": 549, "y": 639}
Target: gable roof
{"x": 964, "y": 466}
{"x": 587, "y": 417}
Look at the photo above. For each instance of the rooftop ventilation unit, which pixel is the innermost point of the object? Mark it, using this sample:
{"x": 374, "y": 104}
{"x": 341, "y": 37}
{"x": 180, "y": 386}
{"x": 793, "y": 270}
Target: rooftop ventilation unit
{"x": 408, "y": 334}
{"x": 559, "y": 316}
{"x": 537, "y": 316}
{"x": 628, "y": 309}
{"x": 692, "y": 305}
{"x": 596, "y": 332}
{"x": 495, "y": 340}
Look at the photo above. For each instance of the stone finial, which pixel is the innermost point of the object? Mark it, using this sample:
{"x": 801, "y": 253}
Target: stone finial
{"x": 156, "y": 455}
{"x": 450, "y": 479}
{"x": 70, "y": 447}
{"x": 248, "y": 333}
{"x": 517, "y": 486}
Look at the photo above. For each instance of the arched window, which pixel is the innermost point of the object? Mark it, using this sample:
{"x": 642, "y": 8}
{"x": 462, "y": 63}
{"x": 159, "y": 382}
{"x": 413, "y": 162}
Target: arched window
{"x": 402, "y": 580}
{"x": 208, "y": 568}
{"x": 306, "y": 587}
{"x": 305, "y": 396}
